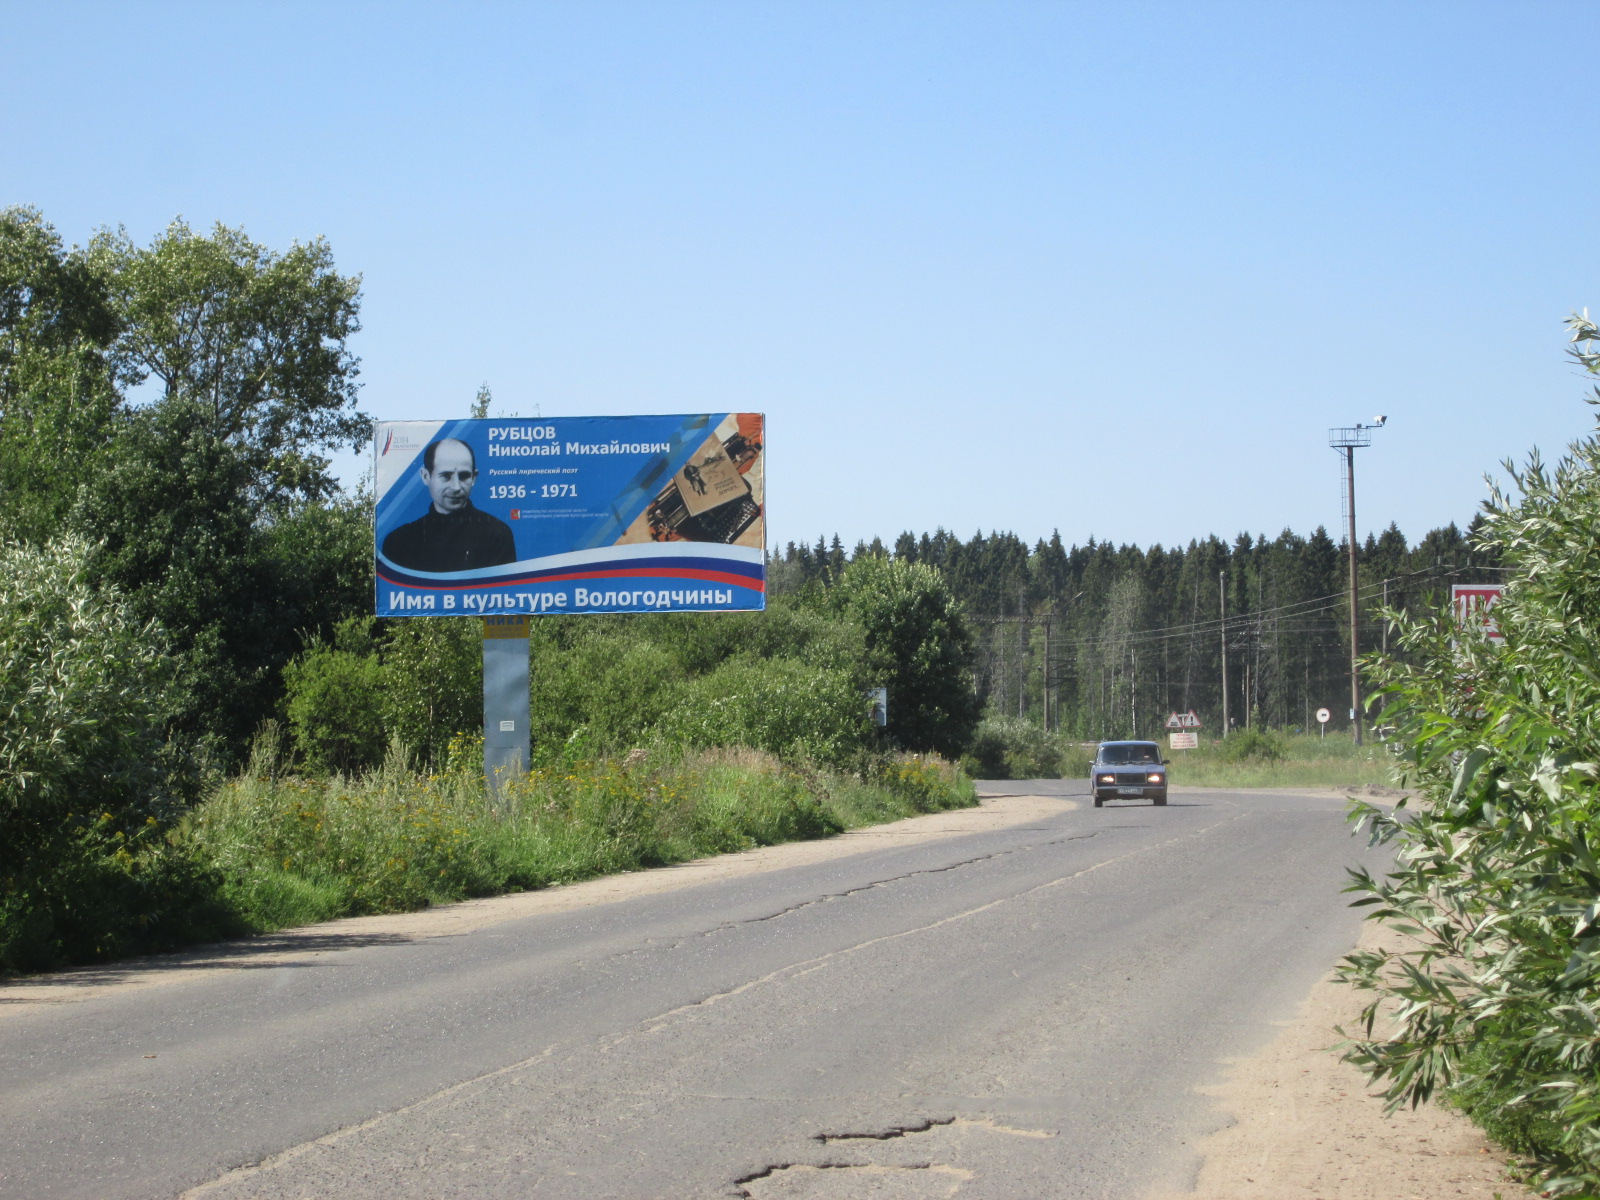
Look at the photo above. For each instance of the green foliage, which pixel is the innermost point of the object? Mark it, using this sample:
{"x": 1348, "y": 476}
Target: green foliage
{"x": 918, "y": 646}
{"x": 83, "y": 692}
{"x": 87, "y": 776}
{"x": 1254, "y": 745}
{"x": 210, "y": 507}
{"x": 787, "y": 707}
{"x": 86, "y": 886}
{"x": 175, "y": 535}
{"x": 334, "y": 704}
{"x": 610, "y": 679}
{"x": 420, "y": 683}
{"x": 252, "y": 339}
{"x": 294, "y": 849}
{"x": 433, "y": 682}
{"x": 1497, "y": 876}
{"x": 1017, "y": 748}
{"x": 56, "y": 394}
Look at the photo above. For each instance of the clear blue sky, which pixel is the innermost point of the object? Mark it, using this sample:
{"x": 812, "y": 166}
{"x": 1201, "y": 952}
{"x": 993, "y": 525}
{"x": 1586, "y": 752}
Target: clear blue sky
{"x": 1111, "y": 268}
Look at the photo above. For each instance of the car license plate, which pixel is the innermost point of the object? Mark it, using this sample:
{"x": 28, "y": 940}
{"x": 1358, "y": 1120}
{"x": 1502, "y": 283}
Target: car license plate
{"x": 1129, "y": 791}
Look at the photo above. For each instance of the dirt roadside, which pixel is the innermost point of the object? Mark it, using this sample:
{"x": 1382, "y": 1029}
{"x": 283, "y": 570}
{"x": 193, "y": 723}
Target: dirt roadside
{"x": 1305, "y": 1125}
{"x": 1302, "y": 1125}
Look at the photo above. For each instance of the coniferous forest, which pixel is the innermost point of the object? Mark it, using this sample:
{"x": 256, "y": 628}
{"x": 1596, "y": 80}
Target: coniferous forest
{"x": 1105, "y": 641}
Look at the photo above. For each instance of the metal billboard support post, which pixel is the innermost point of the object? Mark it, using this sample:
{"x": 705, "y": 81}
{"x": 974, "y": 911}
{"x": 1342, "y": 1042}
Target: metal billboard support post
{"x": 506, "y": 707}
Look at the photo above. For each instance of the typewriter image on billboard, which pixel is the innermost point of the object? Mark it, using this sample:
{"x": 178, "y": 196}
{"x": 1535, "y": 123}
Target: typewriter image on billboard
{"x": 711, "y": 498}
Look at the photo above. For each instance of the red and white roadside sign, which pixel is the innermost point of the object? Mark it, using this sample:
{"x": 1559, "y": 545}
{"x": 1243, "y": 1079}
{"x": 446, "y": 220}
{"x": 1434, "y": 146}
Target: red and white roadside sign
{"x": 1188, "y": 720}
{"x": 1473, "y": 604}
{"x": 1184, "y": 740}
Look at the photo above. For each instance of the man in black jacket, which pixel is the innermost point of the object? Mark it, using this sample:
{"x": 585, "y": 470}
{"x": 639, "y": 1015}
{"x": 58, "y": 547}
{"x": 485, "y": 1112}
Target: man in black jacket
{"x": 452, "y": 535}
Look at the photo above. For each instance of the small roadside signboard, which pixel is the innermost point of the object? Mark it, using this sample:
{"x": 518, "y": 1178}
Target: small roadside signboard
{"x": 1187, "y": 720}
{"x": 1323, "y": 715}
{"x": 1184, "y": 740}
{"x": 1474, "y": 606}
{"x": 878, "y": 700}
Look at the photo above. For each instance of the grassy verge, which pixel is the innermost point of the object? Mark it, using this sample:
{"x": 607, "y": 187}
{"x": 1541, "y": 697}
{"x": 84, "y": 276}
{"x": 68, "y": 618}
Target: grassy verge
{"x": 1252, "y": 758}
{"x": 294, "y": 850}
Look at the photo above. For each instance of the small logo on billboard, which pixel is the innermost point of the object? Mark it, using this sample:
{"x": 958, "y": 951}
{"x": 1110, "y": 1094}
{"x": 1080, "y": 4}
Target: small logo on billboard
{"x": 393, "y": 441}
{"x": 516, "y": 514}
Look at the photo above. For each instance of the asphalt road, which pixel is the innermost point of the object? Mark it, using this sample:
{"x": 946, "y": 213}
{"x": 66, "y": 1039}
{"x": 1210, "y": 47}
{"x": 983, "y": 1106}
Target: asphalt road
{"x": 1023, "y": 1012}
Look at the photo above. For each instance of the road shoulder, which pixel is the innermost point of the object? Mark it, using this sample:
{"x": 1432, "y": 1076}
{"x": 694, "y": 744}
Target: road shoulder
{"x": 306, "y": 943}
{"x": 1303, "y": 1124}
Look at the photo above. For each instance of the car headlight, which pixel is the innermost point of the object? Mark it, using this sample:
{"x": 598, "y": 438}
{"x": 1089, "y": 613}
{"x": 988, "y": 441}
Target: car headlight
{"x": 1156, "y": 777}
{"x": 1108, "y": 779}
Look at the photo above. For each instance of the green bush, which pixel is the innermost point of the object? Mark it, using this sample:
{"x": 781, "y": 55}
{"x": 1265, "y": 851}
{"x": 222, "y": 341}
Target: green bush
{"x": 1015, "y": 748}
{"x": 785, "y": 707}
{"x": 88, "y": 779}
{"x": 1497, "y": 875}
{"x": 83, "y": 692}
{"x": 334, "y": 701}
{"x": 1253, "y": 746}
{"x": 432, "y": 682}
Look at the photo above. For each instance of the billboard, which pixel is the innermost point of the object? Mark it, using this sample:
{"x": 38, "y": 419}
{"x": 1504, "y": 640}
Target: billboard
{"x": 570, "y": 514}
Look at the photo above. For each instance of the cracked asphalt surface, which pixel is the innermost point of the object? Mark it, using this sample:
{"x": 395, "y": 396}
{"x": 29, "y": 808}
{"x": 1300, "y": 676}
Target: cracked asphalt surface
{"x": 1019, "y": 1012}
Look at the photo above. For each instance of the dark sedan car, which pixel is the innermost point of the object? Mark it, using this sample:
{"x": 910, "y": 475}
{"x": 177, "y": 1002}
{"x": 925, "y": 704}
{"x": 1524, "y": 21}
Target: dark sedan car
{"x": 1131, "y": 769}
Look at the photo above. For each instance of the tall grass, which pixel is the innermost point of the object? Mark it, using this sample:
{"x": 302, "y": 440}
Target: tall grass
{"x": 1270, "y": 758}
{"x": 294, "y": 850}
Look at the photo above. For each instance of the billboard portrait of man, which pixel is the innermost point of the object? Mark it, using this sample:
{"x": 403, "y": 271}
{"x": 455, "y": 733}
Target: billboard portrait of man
{"x": 452, "y": 535}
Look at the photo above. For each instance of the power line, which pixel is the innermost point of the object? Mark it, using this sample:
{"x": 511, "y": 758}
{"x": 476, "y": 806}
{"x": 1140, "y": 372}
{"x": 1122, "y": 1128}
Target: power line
{"x": 1299, "y": 608}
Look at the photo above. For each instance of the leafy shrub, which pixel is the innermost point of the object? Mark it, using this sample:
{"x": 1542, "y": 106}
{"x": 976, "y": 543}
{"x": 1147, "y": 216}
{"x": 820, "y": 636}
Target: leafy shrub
{"x": 785, "y": 707}
{"x": 1497, "y": 873}
{"x": 83, "y": 692}
{"x": 1006, "y": 747}
{"x": 1253, "y": 745}
{"x": 432, "y": 682}
{"x": 88, "y": 779}
{"x": 334, "y": 701}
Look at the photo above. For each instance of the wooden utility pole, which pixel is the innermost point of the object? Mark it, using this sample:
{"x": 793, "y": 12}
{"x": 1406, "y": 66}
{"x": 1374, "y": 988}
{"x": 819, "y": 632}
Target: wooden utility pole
{"x": 1047, "y": 676}
{"x": 1222, "y": 588}
{"x": 1355, "y": 677}
{"x": 1350, "y": 440}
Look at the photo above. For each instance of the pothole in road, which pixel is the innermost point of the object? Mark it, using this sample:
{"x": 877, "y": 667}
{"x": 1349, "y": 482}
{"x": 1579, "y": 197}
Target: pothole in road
{"x": 901, "y": 1162}
{"x": 845, "y": 1181}
{"x": 900, "y": 1131}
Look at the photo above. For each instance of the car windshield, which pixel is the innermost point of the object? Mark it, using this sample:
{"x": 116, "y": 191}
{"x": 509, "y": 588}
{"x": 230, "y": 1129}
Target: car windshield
{"x": 1128, "y": 755}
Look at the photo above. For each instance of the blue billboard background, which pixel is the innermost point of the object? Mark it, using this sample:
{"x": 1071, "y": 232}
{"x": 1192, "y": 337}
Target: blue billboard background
{"x": 570, "y": 514}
